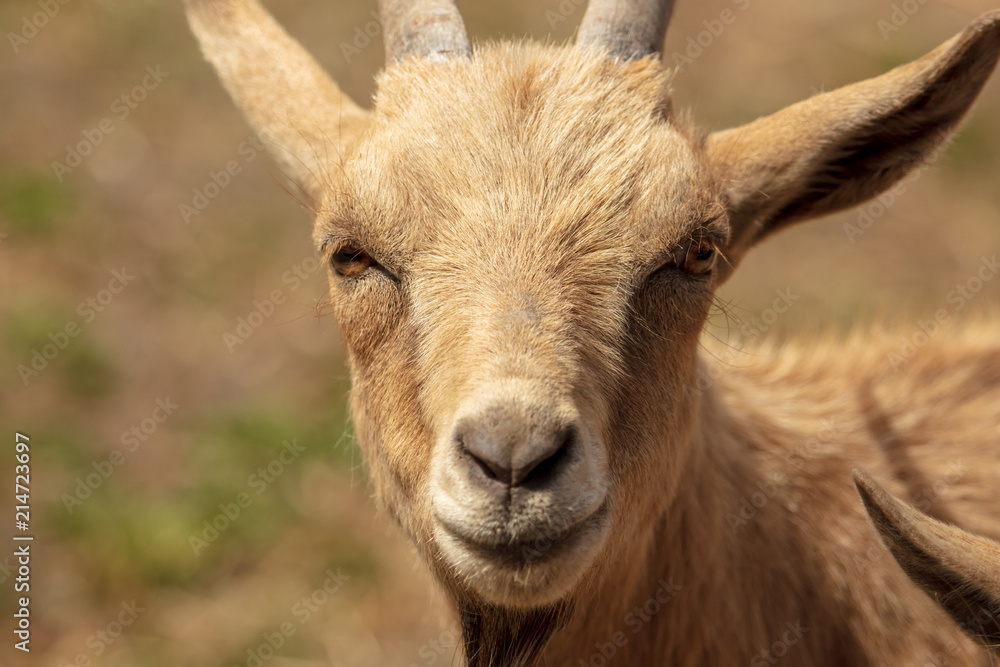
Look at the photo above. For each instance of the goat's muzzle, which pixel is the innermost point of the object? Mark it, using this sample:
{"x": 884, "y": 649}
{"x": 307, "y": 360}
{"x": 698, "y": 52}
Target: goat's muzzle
{"x": 520, "y": 494}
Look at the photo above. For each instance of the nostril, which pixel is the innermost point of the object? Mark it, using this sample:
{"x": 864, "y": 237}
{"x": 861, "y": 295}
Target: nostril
{"x": 486, "y": 460}
{"x": 490, "y": 469}
{"x": 507, "y": 452}
{"x": 541, "y": 472}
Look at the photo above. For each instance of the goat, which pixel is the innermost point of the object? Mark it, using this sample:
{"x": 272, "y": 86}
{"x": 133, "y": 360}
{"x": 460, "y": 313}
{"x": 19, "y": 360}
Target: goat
{"x": 524, "y": 242}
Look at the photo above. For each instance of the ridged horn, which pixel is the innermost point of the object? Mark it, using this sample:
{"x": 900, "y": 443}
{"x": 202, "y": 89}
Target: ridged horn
{"x": 423, "y": 29}
{"x": 625, "y": 28}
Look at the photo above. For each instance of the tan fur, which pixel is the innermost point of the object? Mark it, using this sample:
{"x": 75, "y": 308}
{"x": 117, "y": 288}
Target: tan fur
{"x": 520, "y": 207}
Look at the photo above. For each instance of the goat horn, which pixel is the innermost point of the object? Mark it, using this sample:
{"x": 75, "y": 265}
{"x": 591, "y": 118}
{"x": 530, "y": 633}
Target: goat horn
{"x": 625, "y": 28}
{"x": 423, "y": 28}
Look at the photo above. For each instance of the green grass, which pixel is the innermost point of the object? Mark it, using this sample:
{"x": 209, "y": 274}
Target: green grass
{"x": 34, "y": 205}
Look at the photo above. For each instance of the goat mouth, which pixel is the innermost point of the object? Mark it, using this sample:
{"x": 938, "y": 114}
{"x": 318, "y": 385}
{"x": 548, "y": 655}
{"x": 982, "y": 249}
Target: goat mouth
{"x": 516, "y": 553}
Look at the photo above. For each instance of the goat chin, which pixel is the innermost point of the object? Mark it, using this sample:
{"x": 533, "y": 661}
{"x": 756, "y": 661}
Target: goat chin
{"x": 534, "y": 573}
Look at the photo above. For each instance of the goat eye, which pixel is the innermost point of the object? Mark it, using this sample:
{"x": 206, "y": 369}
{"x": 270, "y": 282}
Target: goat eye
{"x": 696, "y": 258}
{"x": 350, "y": 261}
{"x": 701, "y": 259}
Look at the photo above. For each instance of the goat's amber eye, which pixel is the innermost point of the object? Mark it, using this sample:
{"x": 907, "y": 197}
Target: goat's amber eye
{"x": 350, "y": 261}
{"x": 696, "y": 257}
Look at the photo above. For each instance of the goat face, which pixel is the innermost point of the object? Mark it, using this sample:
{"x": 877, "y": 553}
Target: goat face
{"x": 523, "y": 249}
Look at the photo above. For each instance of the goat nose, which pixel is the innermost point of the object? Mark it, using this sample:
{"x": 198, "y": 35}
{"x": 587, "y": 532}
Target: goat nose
{"x": 504, "y": 450}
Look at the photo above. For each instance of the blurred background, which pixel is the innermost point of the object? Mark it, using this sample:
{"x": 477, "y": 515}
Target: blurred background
{"x": 197, "y": 495}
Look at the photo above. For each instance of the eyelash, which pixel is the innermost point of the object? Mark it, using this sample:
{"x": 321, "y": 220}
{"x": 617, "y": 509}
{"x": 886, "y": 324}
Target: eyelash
{"x": 696, "y": 258}
{"x": 350, "y": 260}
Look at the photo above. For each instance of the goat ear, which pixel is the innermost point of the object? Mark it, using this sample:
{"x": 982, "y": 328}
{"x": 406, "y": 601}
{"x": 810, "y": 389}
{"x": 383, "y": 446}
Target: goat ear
{"x": 837, "y": 149}
{"x": 959, "y": 570}
{"x": 290, "y": 102}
